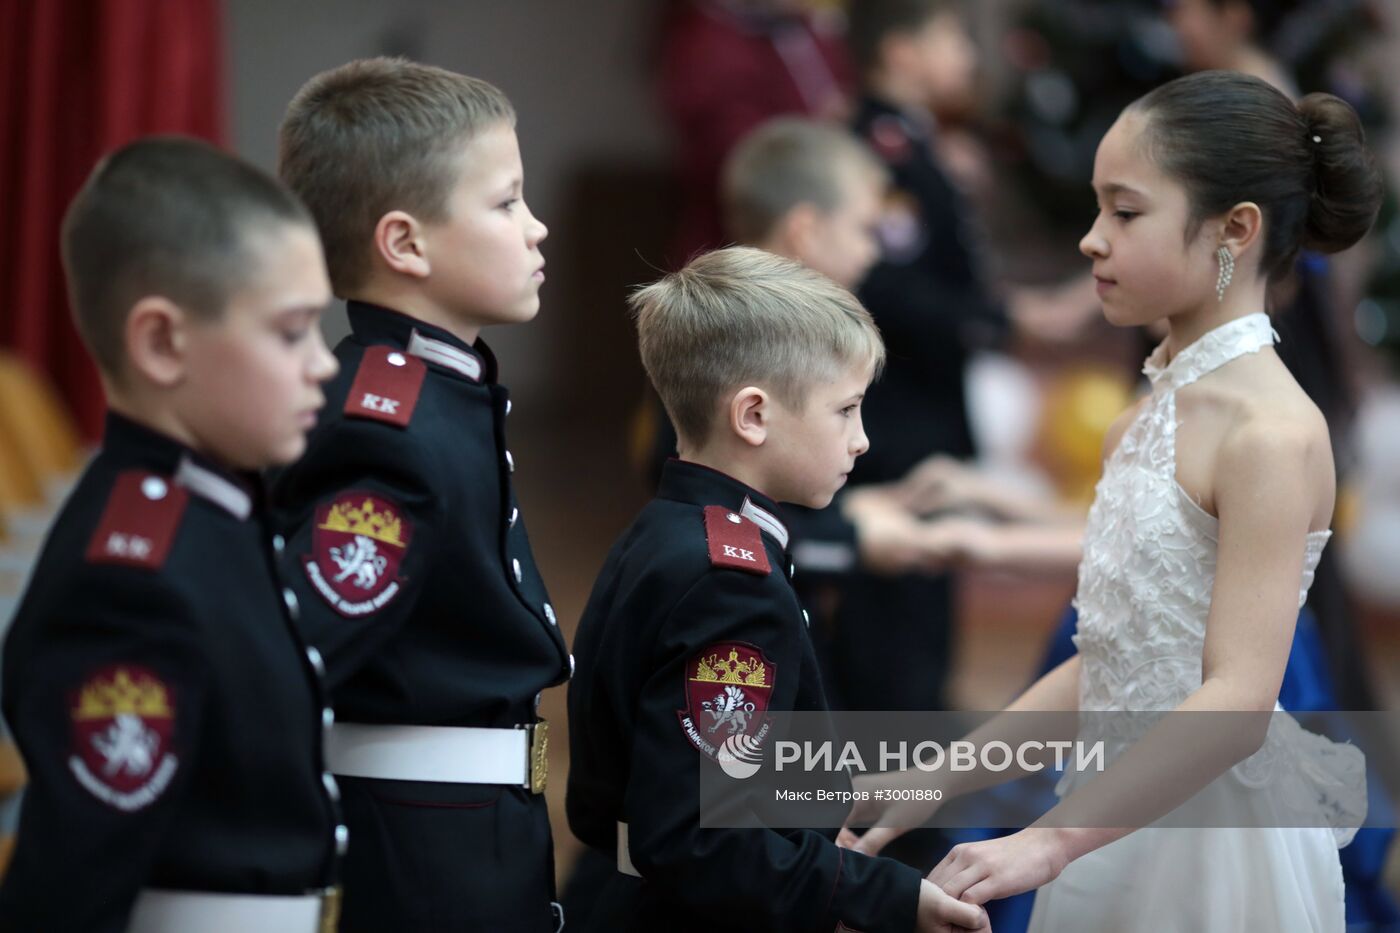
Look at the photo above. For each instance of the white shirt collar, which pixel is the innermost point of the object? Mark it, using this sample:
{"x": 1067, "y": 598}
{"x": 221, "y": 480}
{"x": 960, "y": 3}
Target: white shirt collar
{"x": 210, "y": 485}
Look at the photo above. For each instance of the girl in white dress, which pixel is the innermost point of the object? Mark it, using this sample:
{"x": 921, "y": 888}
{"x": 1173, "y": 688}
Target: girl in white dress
{"x": 1213, "y": 509}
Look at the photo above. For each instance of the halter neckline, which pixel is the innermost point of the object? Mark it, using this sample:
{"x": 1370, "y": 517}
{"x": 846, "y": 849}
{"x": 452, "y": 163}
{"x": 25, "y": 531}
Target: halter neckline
{"x": 1209, "y": 352}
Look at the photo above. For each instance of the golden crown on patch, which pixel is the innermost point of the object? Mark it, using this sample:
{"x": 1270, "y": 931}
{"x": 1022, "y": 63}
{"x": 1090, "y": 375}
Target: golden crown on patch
{"x": 728, "y": 687}
{"x": 357, "y": 545}
{"x": 123, "y": 719}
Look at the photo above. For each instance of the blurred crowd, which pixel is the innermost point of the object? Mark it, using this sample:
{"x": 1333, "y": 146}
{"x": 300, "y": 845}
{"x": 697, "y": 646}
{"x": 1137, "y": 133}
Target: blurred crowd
{"x": 936, "y": 158}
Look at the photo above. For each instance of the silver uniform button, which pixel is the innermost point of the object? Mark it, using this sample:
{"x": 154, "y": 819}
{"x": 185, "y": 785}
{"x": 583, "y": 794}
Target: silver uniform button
{"x": 327, "y": 718}
{"x": 342, "y": 839}
{"x": 539, "y": 697}
{"x": 318, "y": 664}
{"x": 278, "y": 543}
{"x": 792, "y": 571}
{"x": 154, "y": 488}
{"x": 290, "y": 599}
{"x": 332, "y": 788}
{"x": 515, "y": 566}
{"x": 508, "y": 406}
{"x": 514, "y": 514}
{"x": 396, "y": 359}
{"x": 806, "y": 618}
{"x": 571, "y": 665}
{"x": 510, "y": 462}
{"x": 549, "y": 614}
{"x": 734, "y": 518}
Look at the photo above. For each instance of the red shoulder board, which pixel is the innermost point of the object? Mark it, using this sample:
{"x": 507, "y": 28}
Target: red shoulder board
{"x": 139, "y": 523}
{"x": 386, "y": 386}
{"x": 735, "y": 542}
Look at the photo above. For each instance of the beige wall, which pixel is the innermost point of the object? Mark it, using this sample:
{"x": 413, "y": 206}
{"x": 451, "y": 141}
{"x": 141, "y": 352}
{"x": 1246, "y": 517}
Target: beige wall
{"x": 576, "y": 71}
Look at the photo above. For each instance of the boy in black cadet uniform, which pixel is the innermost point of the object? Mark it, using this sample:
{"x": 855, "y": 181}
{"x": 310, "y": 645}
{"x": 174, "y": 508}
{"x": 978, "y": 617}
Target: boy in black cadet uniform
{"x": 808, "y": 190}
{"x": 893, "y": 636}
{"x": 762, "y": 365}
{"x": 169, "y": 716}
{"x": 405, "y": 543}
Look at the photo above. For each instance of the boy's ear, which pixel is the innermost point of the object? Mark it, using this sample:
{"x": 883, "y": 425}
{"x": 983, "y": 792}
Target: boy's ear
{"x": 157, "y": 339}
{"x": 750, "y": 415}
{"x": 398, "y": 241}
{"x": 797, "y": 227}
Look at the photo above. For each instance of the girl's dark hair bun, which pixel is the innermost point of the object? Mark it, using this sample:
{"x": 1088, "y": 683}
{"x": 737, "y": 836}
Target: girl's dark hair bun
{"x": 1347, "y": 189}
{"x": 1231, "y": 137}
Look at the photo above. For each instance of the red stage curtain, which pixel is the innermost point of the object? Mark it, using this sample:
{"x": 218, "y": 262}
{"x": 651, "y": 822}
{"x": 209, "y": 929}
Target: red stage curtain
{"x": 79, "y": 78}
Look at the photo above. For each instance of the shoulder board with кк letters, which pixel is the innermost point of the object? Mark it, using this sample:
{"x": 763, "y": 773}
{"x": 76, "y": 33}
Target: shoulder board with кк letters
{"x": 386, "y": 386}
{"x": 137, "y": 527}
{"x": 735, "y": 542}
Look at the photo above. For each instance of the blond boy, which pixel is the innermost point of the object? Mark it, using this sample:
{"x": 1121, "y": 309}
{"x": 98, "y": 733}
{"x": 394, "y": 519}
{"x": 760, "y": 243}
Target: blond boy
{"x": 762, "y": 366}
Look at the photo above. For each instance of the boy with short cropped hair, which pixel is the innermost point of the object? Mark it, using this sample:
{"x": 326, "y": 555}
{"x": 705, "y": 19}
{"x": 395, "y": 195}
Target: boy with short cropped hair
{"x": 808, "y": 190}
{"x": 762, "y": 365}
{"x": 169, "y": 717}
{"x": 813, "y": 192}
{"x": 405, "y": 544}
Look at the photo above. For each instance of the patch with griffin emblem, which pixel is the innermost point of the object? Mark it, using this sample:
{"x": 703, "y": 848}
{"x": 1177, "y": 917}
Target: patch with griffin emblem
{"x": 727, "y": 689}
{"x": 357, "y": 544}
{"x": 123, "y": 719}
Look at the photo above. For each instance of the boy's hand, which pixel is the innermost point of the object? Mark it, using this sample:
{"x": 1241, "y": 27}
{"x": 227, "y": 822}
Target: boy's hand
{"x": 938, "y": 482}
{"x": 942, "y": 913}
{"x": 979, "y": 872}
{"x": 944, "y": 542}
{"x": 886, "y": 533}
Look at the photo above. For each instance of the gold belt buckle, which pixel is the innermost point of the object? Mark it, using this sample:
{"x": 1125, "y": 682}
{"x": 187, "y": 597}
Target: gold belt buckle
{"x": 539, "y": 756}
{"x": 330, "y": 910}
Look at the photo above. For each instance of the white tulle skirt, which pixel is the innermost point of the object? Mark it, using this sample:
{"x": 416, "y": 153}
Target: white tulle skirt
{"x": 1200, "y": 881}
{"x": 1224, "y": 879}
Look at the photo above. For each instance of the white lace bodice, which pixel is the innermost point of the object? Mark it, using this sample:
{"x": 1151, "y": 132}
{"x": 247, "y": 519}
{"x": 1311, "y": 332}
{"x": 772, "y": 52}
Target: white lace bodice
{"x": 1146, "y": 576}
{"x": 1149, "y": 550}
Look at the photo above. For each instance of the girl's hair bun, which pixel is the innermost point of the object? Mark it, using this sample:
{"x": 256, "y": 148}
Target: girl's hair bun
{"x": 1347, "y": 187}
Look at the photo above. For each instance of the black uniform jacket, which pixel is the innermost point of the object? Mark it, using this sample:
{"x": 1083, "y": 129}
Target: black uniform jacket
{"x": 695, "y": 598}
{"x": 405, "y": 543}
{"x": 170, "y": 718}
{"x": 926, "y": 296}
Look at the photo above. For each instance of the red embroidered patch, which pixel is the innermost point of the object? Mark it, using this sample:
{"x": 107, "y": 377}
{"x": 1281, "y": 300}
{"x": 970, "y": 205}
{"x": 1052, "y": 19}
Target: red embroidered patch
{"x": 357, "y": 545}
{"x": 137, "y": 527}
{"x": 728, "y": 687}
{"x": 386, "y": 386}
{"x": 123, "y": 718}
{"x": 735, "y": 542}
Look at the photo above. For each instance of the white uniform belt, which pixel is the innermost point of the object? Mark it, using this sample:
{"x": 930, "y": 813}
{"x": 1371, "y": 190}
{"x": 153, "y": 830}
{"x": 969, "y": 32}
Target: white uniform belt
{"x": 168, "y": 911}
{"x": 446, "y": 754}
{"x": 624, "y": 854}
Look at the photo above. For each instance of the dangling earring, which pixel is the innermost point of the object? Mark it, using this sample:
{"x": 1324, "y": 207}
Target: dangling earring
{"x": 1227, "y": 272}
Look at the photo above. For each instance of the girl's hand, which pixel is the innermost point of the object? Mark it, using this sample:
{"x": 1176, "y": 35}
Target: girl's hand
{"x": 978, "y": 872}
{"x": 888, "y": 819}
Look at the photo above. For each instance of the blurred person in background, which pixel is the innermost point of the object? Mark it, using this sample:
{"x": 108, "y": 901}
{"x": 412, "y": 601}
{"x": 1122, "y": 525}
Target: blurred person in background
{"x": 727, "y": 66}
{"x": 916, "y": 59}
